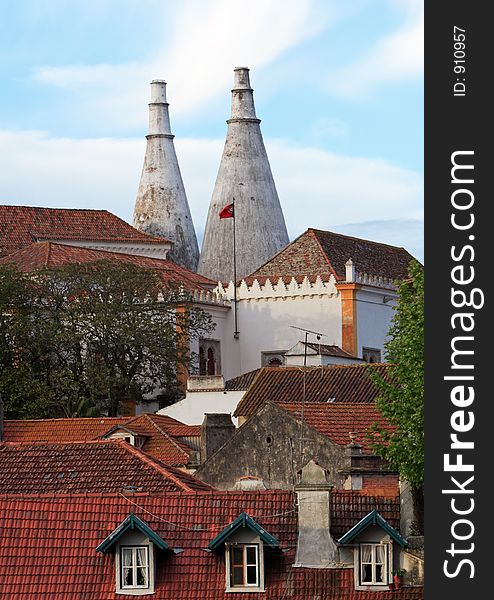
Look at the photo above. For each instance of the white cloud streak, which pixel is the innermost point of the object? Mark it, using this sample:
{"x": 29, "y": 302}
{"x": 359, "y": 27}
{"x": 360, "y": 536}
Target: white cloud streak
{"x": 397, "y": 56}
{"x": 316, "y": 188}
{"x": 202, "y": 43}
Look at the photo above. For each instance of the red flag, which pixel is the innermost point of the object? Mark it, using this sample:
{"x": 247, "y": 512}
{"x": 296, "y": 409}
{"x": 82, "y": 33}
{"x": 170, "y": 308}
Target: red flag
{"x": 227, "y": 212}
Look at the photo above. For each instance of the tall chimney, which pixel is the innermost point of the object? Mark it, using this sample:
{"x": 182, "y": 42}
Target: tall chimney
{"x": 216, "y": 429}
{"x": 316, "y": 548}
{"x": 161, "y": 207}
{"x": 244, "y": 176}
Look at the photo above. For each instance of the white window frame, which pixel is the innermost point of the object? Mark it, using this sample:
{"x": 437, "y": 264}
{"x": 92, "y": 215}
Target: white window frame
{"x": 134, "y": 566}
{"x": 373, "y": 563}
{"x": 258, "y": 586}
{"x": 135, "y": 590}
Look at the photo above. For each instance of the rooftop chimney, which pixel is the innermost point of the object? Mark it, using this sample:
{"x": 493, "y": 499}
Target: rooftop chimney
{"x": 245, "y": 177}
{"x": 216, "y": 429}
{"x": 161, "y": 207}
{"x": 315, "y": 546}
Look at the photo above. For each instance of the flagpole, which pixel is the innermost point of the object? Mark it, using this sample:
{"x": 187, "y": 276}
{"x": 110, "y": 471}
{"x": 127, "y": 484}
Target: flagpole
{"x": 235, "y": 333}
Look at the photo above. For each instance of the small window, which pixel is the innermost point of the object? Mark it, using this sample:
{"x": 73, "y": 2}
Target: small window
{"x": 134, "y": 566}
{"x": 209, "y": 357}
{"x": 272, "y": 359}
{"x": 244, "y": 565}
{"x": 371, "y": 355}
{"x": 373, "y": 564}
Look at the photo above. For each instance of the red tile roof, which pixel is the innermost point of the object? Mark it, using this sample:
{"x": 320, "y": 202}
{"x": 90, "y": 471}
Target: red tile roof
{"x": 343, "y": 383}
{"x": 47, "y": 546}
{"x": 20, "y": 226}
{"x": 48, "y": 254}
{"x": 323, "y": 253}
{"x": 241, "y": 382}
{"x": 97, "y": 466}
{"x": 162, "y": 442}
{"x": 59, "y": 430}
{"x": 337, "y": 420}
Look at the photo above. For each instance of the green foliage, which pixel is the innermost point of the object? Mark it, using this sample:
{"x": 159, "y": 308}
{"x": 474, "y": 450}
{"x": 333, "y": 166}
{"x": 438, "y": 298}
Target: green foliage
{"x": 401, "y": 399}
{"x": 81, "y": 339}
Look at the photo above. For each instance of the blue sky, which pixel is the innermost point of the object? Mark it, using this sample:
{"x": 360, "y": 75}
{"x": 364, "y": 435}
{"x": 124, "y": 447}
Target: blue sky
{"x": 338, "y": 86}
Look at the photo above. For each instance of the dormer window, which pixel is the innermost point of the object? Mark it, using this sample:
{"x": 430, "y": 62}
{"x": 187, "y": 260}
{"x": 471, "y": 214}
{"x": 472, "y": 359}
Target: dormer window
{"x": 135, "y": 546}
{"x": 373, "y": 540}
{"x": 134, "y": 567}
{"x": 243, "y": 566}
{"x": 244, "y": 542}
{"x": 374, "y": 564}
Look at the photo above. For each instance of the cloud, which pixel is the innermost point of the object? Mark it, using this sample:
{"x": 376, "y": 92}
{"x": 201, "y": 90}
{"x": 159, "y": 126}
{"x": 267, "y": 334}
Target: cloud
{"x": 197, "y": 35}
{"x": 397, "y": 56}
{"x": 316, "y": 188}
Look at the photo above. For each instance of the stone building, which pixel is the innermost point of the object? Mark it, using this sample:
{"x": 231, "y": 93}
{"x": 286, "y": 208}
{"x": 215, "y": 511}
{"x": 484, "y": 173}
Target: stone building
{"x": 276, "y": 442}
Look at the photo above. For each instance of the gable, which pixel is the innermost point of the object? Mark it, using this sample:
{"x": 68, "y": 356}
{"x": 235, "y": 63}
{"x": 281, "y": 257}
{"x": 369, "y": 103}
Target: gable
{"x": 325, "y": 253}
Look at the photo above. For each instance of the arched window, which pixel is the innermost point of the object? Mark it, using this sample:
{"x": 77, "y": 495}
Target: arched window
{"x": 275, "y": 362}
{"x": 211, "y": 370}
{"x": 209, "y": 357}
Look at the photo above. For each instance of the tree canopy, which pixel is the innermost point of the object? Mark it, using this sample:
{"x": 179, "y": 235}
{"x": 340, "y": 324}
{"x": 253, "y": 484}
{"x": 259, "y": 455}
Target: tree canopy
{"x": 80, "y": 339}
{"x": 401, "y": 400}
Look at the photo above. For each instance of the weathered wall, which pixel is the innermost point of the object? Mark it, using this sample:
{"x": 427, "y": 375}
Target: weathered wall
{"x": 268, "y": 446}
{"x": 161, "y": 207}
{"x": 244, "y": 175}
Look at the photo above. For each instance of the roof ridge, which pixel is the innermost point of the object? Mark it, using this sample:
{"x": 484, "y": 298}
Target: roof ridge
{"x": 353, "y": 237}
{"x": 314, "y": 235}
{"x": 152, "y": 462}
{"x": 166, "y": 435}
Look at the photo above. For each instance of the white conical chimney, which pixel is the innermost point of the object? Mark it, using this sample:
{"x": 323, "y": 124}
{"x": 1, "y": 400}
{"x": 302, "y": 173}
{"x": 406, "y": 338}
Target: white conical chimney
{"x": 245, "y": 176}
{"x": 161, "y": 207}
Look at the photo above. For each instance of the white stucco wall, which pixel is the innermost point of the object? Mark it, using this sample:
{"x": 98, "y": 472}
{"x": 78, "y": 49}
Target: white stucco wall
{"x": 192, "y": 408}
{"x": 265, "y": 315}
{"x": 374, "y": 318}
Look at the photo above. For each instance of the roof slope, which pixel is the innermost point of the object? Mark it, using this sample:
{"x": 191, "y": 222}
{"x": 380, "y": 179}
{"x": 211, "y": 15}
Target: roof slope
{"x": 241, "y": 382}
{"x": 39, "y": 255}
{"x": 48, "y": 545}
{"x": 97, "y": 466}
{"x": 337, "y": 420}
{"x": 162, "y": 433}
{"x": 20, "y": 226}
{"x": 318, "y": 252}
{"x": 338, "y": 383}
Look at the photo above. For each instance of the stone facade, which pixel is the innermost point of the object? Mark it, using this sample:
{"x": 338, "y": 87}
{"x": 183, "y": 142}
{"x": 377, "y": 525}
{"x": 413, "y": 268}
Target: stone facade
{"x": 268, "y": 446}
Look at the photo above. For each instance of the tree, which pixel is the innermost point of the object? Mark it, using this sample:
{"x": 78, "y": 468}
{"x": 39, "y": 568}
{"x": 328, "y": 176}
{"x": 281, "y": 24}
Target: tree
{"x": 86, "y": 337}
{"x": 401, "y": 399}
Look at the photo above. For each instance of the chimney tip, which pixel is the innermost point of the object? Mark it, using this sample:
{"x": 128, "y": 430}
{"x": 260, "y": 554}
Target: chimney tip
{"x": 241, "y": 78}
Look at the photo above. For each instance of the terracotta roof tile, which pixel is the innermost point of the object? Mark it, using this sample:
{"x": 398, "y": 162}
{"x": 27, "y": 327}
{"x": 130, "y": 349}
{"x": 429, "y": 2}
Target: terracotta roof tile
{"x": 241, "y": 382}
{"x": 343, "y": 383}
{"x": 162, "y": 441}
{"x": 48, "y": 254}
{"x": 47, "y": 546}
{"x": 20, "y": 226}
{"x": 325, "y": 253}
{"x": 337, "y": 420}
{"x": 59, "y": 430}
{"x": 96, "y": 466}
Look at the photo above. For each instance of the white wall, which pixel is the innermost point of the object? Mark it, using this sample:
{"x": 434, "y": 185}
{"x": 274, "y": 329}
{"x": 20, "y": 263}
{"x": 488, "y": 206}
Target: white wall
{"x": 266, "y": 314}
{"x": 374, "y": 318}
{"x": 192, "y": 408}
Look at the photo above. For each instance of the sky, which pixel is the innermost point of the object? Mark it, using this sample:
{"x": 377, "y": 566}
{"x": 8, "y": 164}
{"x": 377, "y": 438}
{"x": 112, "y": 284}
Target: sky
{"x": 338, "y": 87}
